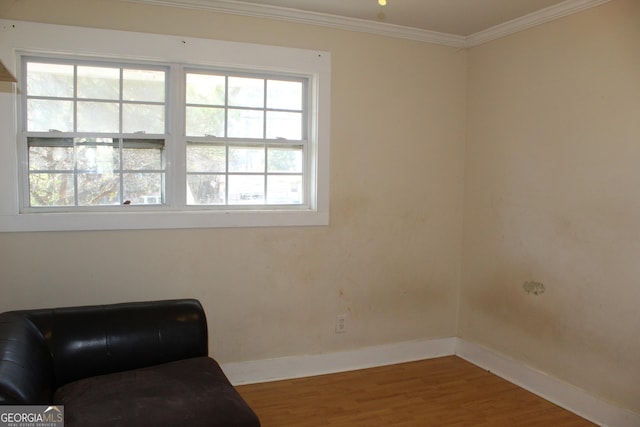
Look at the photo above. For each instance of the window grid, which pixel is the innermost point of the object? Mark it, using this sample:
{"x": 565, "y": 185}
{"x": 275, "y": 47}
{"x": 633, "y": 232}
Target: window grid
{"x": 266, "y": 196}
{"x": 75, "y": 99}
{"x": 269, "y": 178}
{"x": 117, "y": 168}
{"x": 123, "y": 145}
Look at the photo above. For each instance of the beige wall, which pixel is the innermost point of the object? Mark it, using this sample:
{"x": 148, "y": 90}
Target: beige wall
{"x": 551, "y": 117}
{"x": 390, "y": 257}
{"x": 553, "y": 195}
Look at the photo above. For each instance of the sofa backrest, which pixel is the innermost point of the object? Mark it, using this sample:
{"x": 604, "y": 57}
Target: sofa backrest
{"x": 93, "y": 340}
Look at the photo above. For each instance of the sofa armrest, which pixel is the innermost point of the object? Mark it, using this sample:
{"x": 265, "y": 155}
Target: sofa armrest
{"x": 26, "y": 369}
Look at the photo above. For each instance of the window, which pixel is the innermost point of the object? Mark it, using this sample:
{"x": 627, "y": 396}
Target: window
{"x": 95, "y": 134}
{"x": 246, "y": 140}
{"x": 152, "y": 131}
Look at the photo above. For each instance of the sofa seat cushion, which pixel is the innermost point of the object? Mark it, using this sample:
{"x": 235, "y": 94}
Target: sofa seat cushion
{"x": 189, "y": 392}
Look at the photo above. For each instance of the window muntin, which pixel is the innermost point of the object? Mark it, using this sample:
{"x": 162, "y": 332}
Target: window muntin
{"x": 246, "y": 140}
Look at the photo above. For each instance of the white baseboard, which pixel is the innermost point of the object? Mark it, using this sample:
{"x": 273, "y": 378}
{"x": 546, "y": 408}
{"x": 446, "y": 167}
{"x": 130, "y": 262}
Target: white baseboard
{"x": 367, "y": 357}
{"x": 558, "y": 392}
{"x": 562, "y": 394}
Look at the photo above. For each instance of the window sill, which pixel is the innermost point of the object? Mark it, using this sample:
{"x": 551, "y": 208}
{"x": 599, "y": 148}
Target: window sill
{"x": 158, "y": 220}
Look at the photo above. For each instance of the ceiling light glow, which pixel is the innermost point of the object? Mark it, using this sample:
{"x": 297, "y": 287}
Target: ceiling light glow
{"x": 382, "y": 2}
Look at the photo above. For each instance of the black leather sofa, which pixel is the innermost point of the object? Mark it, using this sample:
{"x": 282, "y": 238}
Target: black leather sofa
{"x": 130, "y": 364}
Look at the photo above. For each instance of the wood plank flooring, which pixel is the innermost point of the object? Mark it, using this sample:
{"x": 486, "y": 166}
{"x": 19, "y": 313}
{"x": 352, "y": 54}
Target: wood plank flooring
{"x": 446, "y": 391}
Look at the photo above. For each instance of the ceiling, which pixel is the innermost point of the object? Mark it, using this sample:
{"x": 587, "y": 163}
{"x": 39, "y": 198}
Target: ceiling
{"x": 452, "y": 22}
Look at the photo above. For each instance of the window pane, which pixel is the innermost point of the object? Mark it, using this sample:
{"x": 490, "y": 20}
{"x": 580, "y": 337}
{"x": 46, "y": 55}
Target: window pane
{"x": 98, "y": 83}
{"x": 143, "y": 188}
{"x": 205, "y": 89}
{"x": 142, "y": 155}
{"x": 51, "y": 189}
{"x": 246, "y": 189}
{"x": 98, "y": 155}
{"x": 143, "y": 85}
{"x": 285, "y": 159}
{"x": 284, "y": 95}
{"x": 98, "y": 117}
{"x": 246, "y": 92}
{"x": 95, "y": 189}
{"x": 206, "y": 189}
{"x": 284, "y": 125}
{"x": 284, "y": 189}
{"x": 245, "y": 124}
{"x": 246, "y": 159}
{"x": 51, "y": 158}
{"x": 143, "y": 118}
{"x": 206, "y": 158}
{"x": 202, "y": 121}
{"x": 49, "y": 80}
{"x": 44, "y": 115}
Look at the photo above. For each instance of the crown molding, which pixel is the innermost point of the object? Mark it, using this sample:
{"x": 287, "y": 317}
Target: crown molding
{"x": 312, "y": 18}
{"x": 551, "y": 13}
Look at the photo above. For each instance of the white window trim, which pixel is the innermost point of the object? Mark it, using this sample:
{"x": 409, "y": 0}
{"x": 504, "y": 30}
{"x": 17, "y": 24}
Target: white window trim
{"x": 19, "y": 36}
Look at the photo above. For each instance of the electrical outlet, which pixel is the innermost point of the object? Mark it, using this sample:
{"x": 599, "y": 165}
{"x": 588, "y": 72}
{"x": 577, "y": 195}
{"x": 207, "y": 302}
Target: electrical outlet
{"x": 341, "y": 323}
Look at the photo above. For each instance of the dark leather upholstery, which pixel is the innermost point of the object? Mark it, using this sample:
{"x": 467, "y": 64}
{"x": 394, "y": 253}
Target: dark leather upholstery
{"x": 125, "y": 365}
{"x": 26, "y": 366}
{"x": 41, "y": 350}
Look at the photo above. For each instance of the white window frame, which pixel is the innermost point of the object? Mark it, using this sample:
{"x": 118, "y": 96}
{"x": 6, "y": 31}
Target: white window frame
{"x": 35, "y": 39}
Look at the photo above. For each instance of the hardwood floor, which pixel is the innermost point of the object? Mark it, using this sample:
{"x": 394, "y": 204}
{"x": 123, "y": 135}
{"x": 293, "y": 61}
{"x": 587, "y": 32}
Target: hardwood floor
{"x": 446, "y": 391}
